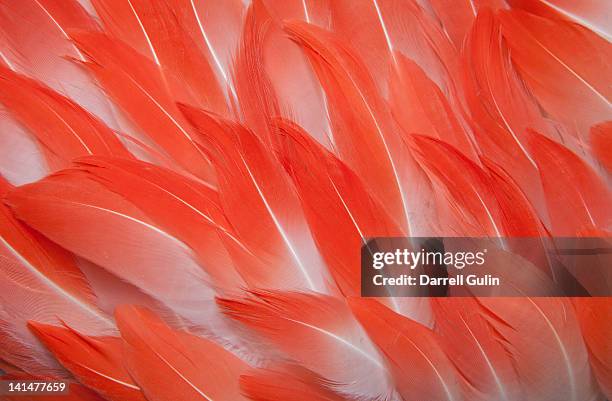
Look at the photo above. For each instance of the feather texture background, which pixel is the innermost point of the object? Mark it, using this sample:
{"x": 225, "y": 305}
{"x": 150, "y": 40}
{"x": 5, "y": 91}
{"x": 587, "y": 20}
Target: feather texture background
{"x": 186, "y": 186}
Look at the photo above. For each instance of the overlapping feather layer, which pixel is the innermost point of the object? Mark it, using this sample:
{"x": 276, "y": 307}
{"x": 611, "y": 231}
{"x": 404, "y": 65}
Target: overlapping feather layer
{"x": 186, "y": 185}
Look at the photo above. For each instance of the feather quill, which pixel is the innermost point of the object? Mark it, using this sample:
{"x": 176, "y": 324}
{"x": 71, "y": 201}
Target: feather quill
{"x": 593, "y": 14}
{"x": 298, "y": 92}
{"x": 136, "y": 85}
{"x": 76, "y": 212}
{"x": 415, "y": 359}
{"x": 470, "y": 204}
{"x": 420, "y": 107}
{"x": 64, "y": 129}
{"x": 38, "y": 45}
{"x": 340, "y": 211}
{"x": 523, "y": 325}
{"x": 96, "y": 361}
{"x": 156, "y": 355}
{"x": 457, "y": 17}
{"x": 182, "y": 207}
{"x": 499, "y": 106}
{"x": 394, "y": 27}
{"x": 153, "y": 29}
{"x": 320, "y": 333}
{"x": 358, "y": 114}
{"x": 40, "y": 281}
{"x": 475, "y": 349}
{"x": 215, "y": 28}
{"x": 342, "y": 214}
{"x": 576, "y": 196}
{"x": 565, "y": 66}
{"x": 256, "y": 196}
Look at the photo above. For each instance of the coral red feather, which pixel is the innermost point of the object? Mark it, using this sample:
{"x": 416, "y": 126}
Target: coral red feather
{"x": 308, "y": 329}
{"x": 564, "y": 65}
{"x": 64, "y": 129}
{"x": 95, "y": 361}
{"x": 418, "y": 364}
{"x": 156, "y": 355}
